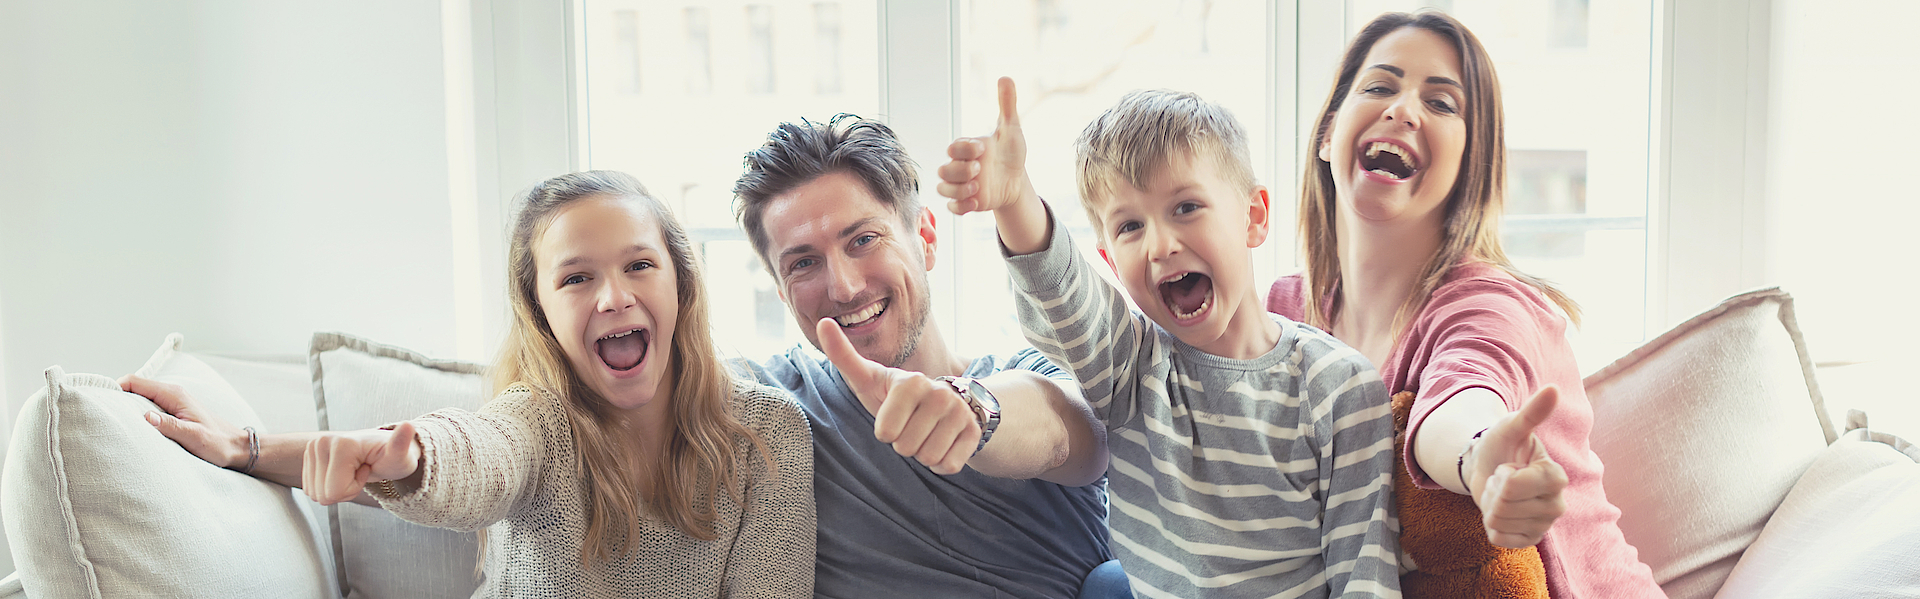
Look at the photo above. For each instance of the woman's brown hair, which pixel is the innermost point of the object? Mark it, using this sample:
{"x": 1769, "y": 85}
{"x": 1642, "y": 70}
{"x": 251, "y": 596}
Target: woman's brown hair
{"x": 1471, "y": 229}
{"x": 697, "y": 457}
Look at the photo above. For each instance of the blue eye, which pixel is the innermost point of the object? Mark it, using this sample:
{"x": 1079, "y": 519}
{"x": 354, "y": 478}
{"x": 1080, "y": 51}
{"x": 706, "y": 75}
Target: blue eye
{"x": 1186, "y": 207}
{"x": 643, "y": 264}
{"x": 865, "y": 239}
{"x": 574, "y": 279}
{"x": 1126, "y": 227}
{"x": 799, "y": 264}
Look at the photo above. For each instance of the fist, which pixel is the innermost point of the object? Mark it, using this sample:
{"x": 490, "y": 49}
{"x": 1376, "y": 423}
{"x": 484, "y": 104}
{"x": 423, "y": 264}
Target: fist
{"x": 1516, "y": 484}
{"x": 990, "y": 172}
{"x": 922, "y": 418}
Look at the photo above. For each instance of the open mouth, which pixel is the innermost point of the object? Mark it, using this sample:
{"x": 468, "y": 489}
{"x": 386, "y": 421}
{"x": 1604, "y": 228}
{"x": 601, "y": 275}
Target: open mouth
{"x": 1389, "y": 160}
{"x": 1188, "y": 296}
{"x": 624, "y": 351}
{"x": 864, "y": 315}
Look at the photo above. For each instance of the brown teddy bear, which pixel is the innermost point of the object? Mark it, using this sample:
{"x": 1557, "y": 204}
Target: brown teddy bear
{"x": 1442, "y": 532}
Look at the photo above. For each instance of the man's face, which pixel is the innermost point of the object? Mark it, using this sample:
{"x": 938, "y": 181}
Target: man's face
{"x": 837, "y": 252}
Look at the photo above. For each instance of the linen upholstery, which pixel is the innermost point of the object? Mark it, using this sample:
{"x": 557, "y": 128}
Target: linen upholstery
{"x": 359, "y": 384}
{"x": 1703, "y": 430}
{"x": 99, "y": 504}
{"x": 1849, "y": 528}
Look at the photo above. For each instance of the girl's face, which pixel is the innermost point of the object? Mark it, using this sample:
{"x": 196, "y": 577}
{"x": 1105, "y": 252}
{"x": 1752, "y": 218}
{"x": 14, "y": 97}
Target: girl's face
{"x": 609, "y": 290}
{"x": 1394, "y": 146}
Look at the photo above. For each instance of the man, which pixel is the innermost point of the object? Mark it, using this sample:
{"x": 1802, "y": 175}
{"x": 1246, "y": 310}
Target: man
{"x": 910, "y": 502}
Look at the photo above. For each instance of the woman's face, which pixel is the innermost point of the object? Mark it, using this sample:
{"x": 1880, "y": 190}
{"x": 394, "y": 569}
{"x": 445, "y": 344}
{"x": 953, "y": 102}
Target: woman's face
{"x": 1394, "y": 147}
{"x": 608, "y": 288}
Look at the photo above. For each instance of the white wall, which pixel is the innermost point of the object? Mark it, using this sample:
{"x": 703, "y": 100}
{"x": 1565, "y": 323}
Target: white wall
{"x": 1842, "y": 203}
{"x": 245, "y": 173}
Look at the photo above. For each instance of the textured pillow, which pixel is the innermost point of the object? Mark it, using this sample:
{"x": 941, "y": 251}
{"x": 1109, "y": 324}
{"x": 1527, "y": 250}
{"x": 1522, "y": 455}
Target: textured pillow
{"x": 359, "y": 384}
{"x": 1850, "y": 528}
{"x": 1702, "y": 431}
{"x": 99, "y": 504}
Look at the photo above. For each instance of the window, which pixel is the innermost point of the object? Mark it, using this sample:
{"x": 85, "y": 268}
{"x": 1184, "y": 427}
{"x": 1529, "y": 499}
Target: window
{"x": 747, "y": 67}
{"x": 1574, "y": 83}
{"x": 1070, "y": 61}
{"x": 1574, "y": 74}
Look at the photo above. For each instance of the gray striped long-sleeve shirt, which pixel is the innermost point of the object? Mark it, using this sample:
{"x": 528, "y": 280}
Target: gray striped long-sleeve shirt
{"x": 1268, "y": 477}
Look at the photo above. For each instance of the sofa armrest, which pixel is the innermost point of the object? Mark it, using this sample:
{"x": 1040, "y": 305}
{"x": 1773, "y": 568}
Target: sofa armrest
{"x": 11, "y": 588}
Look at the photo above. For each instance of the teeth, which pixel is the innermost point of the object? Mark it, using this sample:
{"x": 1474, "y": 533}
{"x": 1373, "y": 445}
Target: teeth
{"x": 1384, "y": 173}
{"x": 1374, "y": 150}
{"x": 861, "y": 316}
{"x": 1196, "y": 311}
{"x": 619, "y": 335}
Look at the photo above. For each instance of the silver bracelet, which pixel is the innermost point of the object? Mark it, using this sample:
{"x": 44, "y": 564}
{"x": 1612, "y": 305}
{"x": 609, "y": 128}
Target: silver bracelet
{"x": 253, "y": 450}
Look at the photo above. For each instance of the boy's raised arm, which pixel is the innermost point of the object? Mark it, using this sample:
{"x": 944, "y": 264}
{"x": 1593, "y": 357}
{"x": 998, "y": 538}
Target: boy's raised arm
{"x": 989, "y": 173}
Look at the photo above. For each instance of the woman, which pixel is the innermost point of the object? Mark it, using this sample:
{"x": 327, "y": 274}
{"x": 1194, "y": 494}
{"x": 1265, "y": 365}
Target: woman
{"x": 602, "y": 467}
{"x": 1399, "y": 217}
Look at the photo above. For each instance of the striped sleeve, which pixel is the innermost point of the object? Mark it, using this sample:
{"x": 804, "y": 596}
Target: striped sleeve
{"x": 1353, "y": 424}
{"x": 1080, "y": 322}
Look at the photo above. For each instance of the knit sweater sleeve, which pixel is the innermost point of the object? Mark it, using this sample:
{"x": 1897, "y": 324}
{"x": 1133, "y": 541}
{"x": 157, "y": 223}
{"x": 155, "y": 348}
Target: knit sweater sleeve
{"x": 773, "y": 555}
{"x": 481, "y": 467}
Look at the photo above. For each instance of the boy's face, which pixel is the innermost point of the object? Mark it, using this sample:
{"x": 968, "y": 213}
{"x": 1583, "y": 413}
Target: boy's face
{"x": 1180, "y": 247}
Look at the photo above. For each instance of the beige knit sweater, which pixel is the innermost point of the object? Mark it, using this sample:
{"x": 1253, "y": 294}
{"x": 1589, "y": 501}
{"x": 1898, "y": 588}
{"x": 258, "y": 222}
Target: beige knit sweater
{"x": 512, "y": 468}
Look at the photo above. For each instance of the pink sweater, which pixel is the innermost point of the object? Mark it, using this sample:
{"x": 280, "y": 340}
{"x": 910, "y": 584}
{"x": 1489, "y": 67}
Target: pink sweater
{"x": 1483, "y": 328}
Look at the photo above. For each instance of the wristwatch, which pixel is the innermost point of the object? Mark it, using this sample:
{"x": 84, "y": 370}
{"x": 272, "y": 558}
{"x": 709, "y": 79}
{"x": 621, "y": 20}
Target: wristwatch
{"x": 986, "y": 407}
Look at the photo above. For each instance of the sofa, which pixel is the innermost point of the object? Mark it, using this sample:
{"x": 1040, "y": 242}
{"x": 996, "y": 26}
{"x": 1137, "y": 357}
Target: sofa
{"x": 1731, "y": 478}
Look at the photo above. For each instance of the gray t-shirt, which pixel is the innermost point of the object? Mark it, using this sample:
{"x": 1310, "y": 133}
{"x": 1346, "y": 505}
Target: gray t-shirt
{"x": 889, "y": 527}
{"x": 1229, "y": 478}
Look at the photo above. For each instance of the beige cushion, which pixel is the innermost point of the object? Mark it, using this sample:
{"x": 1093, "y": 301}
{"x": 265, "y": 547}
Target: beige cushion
{"x": 359, "y": 384}
{"x": 1850, "y": 528}
{"x": 1702, "y": 431}
{"x": 99, "y": 504}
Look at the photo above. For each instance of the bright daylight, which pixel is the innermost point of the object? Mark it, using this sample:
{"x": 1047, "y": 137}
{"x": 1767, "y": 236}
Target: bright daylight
{"x": 958, "y": 298}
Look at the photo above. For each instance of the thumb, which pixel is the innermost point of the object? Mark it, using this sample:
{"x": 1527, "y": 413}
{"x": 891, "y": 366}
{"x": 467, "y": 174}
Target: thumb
{"x": 1009, "y": 104}
{"x": 402, "y": 439}
{"x": 866, "y": 377}
{"x": 1517, "y": 429}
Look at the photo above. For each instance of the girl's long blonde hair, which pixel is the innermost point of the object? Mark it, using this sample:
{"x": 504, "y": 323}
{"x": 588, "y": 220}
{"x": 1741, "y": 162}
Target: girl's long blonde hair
{"x": 697, "y": 460}
{"x": 1473, "y": 209}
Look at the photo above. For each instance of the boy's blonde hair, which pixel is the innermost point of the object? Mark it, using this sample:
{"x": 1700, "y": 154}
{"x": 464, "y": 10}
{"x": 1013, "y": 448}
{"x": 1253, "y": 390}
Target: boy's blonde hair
{"x": 1132, "y": 141}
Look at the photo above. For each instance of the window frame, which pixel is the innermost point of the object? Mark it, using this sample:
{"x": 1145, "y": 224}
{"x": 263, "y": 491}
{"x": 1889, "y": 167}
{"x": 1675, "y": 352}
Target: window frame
{"x": 1705, "y": 235}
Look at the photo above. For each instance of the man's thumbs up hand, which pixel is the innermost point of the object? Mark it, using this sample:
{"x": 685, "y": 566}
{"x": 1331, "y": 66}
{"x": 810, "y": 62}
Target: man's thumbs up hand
{"x": 921, "y": 417}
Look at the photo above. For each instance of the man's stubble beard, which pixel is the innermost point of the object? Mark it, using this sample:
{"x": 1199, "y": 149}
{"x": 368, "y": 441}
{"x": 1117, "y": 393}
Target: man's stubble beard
{"x": 916, "y": 325}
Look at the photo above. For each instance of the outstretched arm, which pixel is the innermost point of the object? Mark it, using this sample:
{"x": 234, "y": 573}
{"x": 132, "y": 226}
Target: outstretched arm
{"x": 1045, "y": 431}
{"x": 1507, "y": 471}
{"x": 220, "y": 442}
{"x": 990, "y": 173}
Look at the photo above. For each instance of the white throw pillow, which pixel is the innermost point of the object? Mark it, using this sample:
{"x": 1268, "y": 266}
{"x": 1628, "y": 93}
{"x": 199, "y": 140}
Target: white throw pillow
{"x": 359, "y": 384}
{"x": 99, "y": 504}
{"x": 1702, "y": 431}
{"x": 1850, "y": 528}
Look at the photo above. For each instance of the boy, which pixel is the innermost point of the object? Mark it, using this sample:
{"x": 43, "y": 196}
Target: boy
{"x": 1250, "y": 455}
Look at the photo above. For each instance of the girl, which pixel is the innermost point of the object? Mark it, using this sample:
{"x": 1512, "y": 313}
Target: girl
{"x": 1399, "y": 217}
{"x": 619, "y": 456}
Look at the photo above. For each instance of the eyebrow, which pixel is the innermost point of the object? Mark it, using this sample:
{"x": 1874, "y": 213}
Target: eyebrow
{"x": 844, "y": 231}
{"x": 1437, "y": 80}
{"x": 632, "y": 249}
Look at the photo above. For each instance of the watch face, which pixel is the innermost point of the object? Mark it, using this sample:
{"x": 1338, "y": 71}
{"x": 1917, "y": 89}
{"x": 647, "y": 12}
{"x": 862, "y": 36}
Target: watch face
{"x": 985, "y": 397}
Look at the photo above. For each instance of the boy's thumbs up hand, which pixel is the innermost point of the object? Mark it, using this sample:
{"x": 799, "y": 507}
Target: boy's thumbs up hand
{"x": 990, "y": 172}
{"x": 1516, "y": 484}
{"x": 922, "y": 418}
